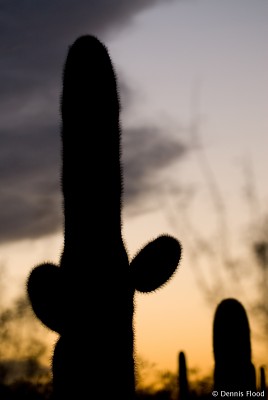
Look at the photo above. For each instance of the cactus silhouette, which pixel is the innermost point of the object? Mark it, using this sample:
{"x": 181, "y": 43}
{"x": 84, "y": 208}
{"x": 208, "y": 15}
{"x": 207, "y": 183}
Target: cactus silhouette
{"x": 233, "y": 370}
{"x": 89, "y": 298}
{"x": 262, "y": 384}
{"x": 183, "y": 392}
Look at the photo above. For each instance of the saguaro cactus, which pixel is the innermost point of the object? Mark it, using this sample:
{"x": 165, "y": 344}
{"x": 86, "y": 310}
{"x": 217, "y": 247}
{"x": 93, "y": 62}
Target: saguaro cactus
{"x": 88, "y": 299}
{"x": 183, "y": 392}
{"x": 234, "y": 370}
{"x": 262, "y": 383}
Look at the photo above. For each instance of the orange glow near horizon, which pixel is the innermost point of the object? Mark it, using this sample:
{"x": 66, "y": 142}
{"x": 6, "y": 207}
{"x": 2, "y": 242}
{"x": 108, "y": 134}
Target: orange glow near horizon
{"x": 174, "y": 318}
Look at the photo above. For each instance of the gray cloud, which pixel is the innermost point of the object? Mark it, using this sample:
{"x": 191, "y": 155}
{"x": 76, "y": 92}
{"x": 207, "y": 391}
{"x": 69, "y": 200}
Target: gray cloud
{"x": 146, "y": 152}
{"x": 34, "y": 40}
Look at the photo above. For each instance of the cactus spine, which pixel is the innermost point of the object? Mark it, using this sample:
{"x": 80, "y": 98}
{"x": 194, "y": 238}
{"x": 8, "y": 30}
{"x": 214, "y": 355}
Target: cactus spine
{"x": 88, "y": 298}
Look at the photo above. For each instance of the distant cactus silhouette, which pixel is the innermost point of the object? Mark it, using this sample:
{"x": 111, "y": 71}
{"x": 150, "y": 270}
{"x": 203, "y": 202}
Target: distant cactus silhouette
{"x": 88, "y": 299}
{"x": 233, "y": 370}
{"x": 262, "y": 386}
{"x": 183, "y": 393}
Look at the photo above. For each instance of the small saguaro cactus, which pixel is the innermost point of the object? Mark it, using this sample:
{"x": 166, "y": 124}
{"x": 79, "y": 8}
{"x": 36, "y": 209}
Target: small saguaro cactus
{"x": 262, "y": 383}
{"x": 89, "y": 298}
{"x": 183, "y": 385}
{"x": 233, "y": 370}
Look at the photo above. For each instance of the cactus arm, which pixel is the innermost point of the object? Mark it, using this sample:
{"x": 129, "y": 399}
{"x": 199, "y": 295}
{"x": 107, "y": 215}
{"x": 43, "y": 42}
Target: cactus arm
{"x": 154, "y": 265}
{"x": 47, "y": 304}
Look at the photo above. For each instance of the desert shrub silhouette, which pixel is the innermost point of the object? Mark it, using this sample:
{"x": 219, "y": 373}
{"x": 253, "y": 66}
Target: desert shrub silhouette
{"x": 233, "y": 370}
{"x": 88, "y": 298}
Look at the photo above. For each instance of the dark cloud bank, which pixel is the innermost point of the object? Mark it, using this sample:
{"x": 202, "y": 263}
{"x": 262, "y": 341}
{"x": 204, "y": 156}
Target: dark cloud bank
{"x": 34, "y": 40}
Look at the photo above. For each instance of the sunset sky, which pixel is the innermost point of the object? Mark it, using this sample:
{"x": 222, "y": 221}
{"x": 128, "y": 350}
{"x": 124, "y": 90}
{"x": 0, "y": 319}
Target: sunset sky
{"x": 194, "y": 88}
